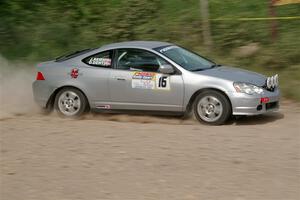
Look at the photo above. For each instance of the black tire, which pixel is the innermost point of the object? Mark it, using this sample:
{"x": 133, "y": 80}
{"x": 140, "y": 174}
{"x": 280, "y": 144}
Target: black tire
{"x": 49, "y": 107}
{"x": 217, "y": 110}
{"x": 79, "y": 108}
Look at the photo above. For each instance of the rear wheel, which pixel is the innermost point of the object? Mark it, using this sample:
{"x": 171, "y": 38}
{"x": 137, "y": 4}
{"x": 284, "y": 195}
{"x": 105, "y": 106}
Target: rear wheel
{"x": 70, "y": 102}
{"x": 212, "y": 107}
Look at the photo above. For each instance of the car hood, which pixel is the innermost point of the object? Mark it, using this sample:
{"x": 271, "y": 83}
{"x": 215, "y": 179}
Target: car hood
{"x": 235, "y": 75}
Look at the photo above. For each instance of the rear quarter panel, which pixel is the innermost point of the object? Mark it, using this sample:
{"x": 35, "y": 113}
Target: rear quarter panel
{"x": 91, "y": 81}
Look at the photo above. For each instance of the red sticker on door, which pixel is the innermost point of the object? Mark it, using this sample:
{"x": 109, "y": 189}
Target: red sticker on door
{"x": 74, "y": 73}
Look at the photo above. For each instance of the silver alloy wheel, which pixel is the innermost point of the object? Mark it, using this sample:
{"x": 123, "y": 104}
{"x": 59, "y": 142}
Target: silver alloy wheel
{"x": 69, "y": 103}
{"x": 209, "y": 108}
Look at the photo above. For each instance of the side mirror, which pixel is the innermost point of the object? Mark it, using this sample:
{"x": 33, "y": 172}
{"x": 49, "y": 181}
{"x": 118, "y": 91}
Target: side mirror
{"x": 166, "y": 69}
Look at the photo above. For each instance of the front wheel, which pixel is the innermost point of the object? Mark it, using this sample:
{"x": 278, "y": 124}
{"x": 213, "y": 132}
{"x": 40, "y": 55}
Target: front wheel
{"x": 212, "y": 107}
{"x": 70, "y": 102}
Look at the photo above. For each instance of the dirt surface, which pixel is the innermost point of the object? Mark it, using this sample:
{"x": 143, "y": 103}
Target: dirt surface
{"x": 140, "y": 157}
{"x": 136, "y": 157}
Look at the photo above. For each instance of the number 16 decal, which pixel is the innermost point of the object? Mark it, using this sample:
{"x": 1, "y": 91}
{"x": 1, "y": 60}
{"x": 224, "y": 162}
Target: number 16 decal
{"x": 162, "y": 82}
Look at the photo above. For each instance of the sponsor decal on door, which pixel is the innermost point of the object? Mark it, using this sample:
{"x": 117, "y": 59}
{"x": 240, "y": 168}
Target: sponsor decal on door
{"x": 150, "y": 80}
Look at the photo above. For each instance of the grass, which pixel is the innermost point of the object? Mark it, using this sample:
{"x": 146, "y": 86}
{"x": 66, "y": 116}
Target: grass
{"x": 43, "y": 32}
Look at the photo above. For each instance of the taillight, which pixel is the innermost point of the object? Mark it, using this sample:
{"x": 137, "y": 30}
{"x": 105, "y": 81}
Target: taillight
{"x": 40, "y": 76}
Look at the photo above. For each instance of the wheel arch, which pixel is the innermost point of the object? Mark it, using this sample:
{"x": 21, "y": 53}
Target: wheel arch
{"x": 50, "y": 102}
{"x": 195, "y": 94}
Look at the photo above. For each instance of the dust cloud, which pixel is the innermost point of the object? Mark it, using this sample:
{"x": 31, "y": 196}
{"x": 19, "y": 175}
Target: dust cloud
{"x": 15, "y": 89}
{"x": 16, "y": 98}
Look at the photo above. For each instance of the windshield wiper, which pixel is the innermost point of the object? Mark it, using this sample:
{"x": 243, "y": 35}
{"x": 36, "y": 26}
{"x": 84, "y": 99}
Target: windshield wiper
{"x": 215, "y": 65}
{"x": 200, "y": 69}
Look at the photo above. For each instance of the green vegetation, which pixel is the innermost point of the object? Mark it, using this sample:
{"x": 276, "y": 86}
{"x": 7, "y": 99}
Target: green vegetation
{"x": 40, "y": 30}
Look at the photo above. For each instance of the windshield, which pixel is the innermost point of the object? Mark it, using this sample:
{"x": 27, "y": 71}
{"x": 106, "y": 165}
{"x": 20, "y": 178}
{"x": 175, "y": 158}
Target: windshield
{"x": 187, "y": 59}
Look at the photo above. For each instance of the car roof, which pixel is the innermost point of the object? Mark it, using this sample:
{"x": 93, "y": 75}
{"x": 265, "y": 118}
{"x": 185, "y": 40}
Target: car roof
{"x": 138, "y": 44}
{"x": 130, "y": 44}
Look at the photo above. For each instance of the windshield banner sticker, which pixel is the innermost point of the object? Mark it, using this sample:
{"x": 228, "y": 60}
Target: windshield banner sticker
{"x": 150, "y": 80}
{"x": 167, "y": 49}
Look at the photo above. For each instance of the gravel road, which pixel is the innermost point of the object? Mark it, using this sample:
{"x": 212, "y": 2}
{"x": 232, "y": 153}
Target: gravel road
{"x": 138, "y": 157}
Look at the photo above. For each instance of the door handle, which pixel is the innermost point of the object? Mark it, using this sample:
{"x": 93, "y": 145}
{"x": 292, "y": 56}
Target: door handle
{"x": 119, "y": 78}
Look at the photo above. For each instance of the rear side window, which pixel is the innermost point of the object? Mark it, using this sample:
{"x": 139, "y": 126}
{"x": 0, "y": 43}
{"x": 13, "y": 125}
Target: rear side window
{"x": 103, "y": 59}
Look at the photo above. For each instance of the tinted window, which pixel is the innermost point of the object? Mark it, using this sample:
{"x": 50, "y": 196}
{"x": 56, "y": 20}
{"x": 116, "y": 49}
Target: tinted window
{"x": 187, "y": 59}
{"x": 138, "y": 60}
{"x": 103, "y": 59}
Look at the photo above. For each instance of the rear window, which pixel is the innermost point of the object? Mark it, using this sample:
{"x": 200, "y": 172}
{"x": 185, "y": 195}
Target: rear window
{"x": 73, "y": 54}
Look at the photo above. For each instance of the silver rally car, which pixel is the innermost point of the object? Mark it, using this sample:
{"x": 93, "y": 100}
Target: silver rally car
{"x": 152, "y": 76}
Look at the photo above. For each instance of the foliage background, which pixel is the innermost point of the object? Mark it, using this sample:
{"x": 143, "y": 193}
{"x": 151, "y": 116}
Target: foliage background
{"x": 34, "y": 31}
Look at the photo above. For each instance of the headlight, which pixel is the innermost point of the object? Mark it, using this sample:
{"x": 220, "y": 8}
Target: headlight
{"x": 247, "y": 88}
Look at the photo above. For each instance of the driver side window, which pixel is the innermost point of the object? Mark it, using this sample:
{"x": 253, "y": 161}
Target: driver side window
{"x": 138, "y": 60}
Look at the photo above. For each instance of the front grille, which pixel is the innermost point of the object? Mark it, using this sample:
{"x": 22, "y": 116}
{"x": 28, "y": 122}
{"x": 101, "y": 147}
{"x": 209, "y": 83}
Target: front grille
{"x": 269, "y": 89}
{"x": 272, "y": 105}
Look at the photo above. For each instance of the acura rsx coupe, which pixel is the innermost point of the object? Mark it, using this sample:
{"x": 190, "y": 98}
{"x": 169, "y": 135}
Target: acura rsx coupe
{"x": 151, "y": 76}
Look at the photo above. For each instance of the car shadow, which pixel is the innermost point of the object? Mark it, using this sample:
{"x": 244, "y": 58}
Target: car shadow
{"x": 257, "y": 119}
{"x": 167, "y": 118}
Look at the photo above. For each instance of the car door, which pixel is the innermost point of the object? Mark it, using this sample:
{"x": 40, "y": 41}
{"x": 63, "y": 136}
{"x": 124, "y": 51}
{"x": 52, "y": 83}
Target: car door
{"x": 135, "y": 83}
{"x": 95, "y": 77}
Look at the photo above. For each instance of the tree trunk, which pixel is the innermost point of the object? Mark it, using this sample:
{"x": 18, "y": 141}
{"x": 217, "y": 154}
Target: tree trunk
{"x": 206, "y": 24}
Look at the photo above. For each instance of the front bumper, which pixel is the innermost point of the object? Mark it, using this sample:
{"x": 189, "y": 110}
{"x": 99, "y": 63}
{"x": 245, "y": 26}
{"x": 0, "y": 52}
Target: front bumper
{"x": 244, "y": 104}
